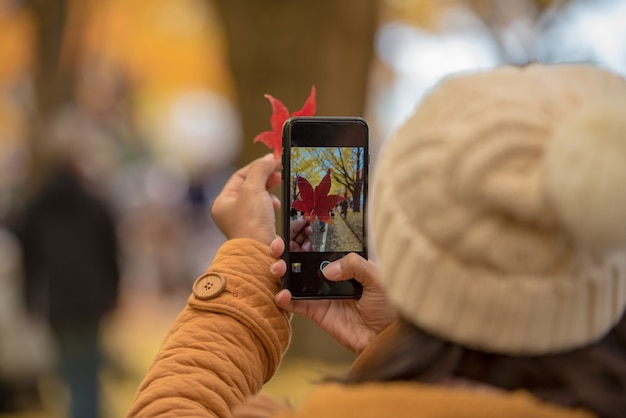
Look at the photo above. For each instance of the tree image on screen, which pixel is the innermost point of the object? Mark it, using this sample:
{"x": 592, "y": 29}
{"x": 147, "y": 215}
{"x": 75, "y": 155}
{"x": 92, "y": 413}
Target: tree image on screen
{"x": 334, "y": 205}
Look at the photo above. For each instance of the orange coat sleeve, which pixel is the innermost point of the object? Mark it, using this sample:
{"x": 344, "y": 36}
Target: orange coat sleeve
{"x": 222, "y": 350}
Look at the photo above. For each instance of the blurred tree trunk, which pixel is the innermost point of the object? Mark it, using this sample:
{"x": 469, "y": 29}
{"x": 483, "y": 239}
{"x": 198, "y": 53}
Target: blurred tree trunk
{"x": 52, "y": 82}
{"x": 282, "y": 47}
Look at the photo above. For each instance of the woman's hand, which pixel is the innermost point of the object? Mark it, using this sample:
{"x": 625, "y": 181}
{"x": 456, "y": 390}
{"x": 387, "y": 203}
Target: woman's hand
{"x": 300, "y": 231}
{"x": 353, "y": 323}
{"x": 245, "y": 207}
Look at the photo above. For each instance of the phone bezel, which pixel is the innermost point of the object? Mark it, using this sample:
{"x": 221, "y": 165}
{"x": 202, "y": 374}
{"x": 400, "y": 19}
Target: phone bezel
{"x": 323, "y": 126}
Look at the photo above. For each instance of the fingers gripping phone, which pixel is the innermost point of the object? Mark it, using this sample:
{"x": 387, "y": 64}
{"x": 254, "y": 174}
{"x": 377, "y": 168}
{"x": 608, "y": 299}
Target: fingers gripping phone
{"x": 325, "y": 180}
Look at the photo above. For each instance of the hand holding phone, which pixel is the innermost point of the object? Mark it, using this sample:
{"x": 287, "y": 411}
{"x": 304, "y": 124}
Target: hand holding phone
{"x": 353, "y": 323}
{"x": 325, "y": 178}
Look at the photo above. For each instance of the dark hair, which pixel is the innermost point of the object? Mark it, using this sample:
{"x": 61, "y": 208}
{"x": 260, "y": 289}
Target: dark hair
{"x": 593, "y": 377}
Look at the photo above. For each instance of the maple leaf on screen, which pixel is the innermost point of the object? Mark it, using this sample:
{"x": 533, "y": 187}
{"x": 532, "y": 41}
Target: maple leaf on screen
{"x": 273, "y": 139}
{"x": 316, "y": 203}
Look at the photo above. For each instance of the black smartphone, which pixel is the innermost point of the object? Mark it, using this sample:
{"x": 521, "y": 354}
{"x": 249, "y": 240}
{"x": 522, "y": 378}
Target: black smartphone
{"x": 325, "y": 171}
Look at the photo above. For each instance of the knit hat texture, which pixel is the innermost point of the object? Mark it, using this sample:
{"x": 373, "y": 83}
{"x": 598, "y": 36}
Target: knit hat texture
{"x": 499, "y": 209}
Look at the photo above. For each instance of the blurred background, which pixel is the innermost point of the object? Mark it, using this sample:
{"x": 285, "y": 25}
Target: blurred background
{"x": 129, "y": 115}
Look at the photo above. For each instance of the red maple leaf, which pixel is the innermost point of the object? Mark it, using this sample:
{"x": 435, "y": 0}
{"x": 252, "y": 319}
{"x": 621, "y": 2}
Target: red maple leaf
{"x": 316, "y": 203}
{"x": 273, "y": 139}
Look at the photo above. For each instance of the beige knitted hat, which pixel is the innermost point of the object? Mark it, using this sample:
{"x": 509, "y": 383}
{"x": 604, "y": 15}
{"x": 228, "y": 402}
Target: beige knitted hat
{"x": 499, "y": 209}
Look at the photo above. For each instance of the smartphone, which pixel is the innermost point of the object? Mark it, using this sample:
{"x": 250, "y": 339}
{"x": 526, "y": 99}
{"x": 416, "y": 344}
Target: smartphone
{"x": 325, "y": 171}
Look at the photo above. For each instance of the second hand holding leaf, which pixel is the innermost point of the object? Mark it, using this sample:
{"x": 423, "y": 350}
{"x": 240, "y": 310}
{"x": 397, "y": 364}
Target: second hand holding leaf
{"x": 245, "y": 207}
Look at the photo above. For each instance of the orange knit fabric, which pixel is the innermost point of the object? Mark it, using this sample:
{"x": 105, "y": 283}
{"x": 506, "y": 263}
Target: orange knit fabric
{"x": 400, "y": 400}
{"x": 222, "y": 350}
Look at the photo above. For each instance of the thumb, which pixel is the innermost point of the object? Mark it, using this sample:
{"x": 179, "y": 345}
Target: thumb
{"x": 260, "y": 172}
{"x": 353, "y": 266}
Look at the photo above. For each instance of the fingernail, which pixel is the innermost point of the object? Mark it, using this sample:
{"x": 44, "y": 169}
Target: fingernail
{"x": 306, "y": 246}
{"x": 332, "y": 271}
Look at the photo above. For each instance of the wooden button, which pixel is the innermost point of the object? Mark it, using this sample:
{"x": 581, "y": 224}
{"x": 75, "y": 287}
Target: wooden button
{"x": 209, "y": 285}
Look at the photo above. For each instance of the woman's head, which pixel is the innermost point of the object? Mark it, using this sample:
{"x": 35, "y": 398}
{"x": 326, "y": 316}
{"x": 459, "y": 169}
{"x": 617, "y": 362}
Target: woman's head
{"x": 499, "y": 209}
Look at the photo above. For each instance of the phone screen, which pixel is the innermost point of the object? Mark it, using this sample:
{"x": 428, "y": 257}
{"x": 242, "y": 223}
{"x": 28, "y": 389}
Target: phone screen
{"x": 325, "y": 178}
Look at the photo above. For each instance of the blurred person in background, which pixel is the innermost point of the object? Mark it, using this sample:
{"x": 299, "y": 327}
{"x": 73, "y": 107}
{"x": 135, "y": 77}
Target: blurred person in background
{"x": 71, "y": 274}
{"x": 499, "y": 222}
{"x": 68, "y": 236}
